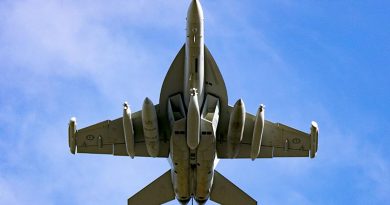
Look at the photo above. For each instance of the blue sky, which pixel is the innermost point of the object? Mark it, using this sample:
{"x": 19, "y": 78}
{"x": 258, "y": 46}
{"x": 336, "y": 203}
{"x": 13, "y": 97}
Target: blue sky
{"x": 306, "y": 60}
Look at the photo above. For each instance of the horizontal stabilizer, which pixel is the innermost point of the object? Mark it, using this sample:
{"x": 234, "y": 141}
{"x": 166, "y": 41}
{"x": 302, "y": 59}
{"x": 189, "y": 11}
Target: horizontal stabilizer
{"x": 158, "y": 192}
{"x": 226, "y": 193}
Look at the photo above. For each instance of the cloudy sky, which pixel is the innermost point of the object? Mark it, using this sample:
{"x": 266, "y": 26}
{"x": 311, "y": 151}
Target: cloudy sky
{"x": 305, "y": 60}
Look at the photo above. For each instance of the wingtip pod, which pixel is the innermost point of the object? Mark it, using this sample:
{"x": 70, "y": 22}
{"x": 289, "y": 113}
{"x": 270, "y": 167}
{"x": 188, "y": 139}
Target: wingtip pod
{"x": 72, "y": 135}
{"x": 313, "y": 139}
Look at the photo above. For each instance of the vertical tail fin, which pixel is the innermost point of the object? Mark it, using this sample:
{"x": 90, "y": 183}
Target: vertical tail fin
{"x": 226, "y": 193}
{"x": 158, "y": 192}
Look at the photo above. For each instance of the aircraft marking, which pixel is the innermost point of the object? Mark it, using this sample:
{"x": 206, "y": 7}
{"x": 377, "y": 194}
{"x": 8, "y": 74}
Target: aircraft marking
{"x": 296, "y": 140}
{"x": 90, "y": 137}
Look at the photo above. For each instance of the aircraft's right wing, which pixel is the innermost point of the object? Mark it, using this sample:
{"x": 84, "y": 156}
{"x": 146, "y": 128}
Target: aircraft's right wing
{"x": 278, "y": 140}
{"x": 108, "y": 137}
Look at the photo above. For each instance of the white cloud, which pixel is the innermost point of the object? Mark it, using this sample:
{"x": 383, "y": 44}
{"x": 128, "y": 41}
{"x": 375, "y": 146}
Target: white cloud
{"x": 92, "y": 40}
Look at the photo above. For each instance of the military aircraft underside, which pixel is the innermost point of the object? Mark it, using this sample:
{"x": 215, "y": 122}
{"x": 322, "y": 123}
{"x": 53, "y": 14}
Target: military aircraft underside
{"x": 193, "y": 126}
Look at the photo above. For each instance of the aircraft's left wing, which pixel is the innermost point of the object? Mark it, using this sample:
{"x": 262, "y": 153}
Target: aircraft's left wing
{"x": 108, "y": 137}
{"x": 278, "y": 140}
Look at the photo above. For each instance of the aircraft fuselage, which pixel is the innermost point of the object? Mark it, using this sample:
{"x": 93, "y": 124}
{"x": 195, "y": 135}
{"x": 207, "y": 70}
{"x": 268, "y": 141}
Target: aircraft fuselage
{"x": 192, "y": 155}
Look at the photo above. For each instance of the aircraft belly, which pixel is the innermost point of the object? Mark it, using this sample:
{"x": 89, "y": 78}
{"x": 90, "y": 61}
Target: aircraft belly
{"x": 180, "y": 166}
{"x": 179, "y": 151}
{"x": 206, "y": 151}
{"x": 205, "y": 166}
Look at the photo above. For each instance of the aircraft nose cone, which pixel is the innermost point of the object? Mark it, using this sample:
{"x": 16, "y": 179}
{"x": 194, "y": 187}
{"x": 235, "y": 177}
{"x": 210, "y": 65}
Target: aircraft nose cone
{"x": 195, "y": 11}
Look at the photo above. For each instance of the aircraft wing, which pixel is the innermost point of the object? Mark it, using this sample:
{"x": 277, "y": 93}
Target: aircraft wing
{"x": 107, "y": 137}
{"x": 278, "y": 140}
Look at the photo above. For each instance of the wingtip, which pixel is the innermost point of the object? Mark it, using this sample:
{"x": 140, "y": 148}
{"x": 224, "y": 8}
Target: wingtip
{"x": 72, "y": 135}
{"x": 313, "y": 139}
{"x": 314, "y": 124}
{"x": 72, "y": 119}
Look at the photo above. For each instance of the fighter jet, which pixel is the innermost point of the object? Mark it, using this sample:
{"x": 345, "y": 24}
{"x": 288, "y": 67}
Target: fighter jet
{"x": 193, "y": 127}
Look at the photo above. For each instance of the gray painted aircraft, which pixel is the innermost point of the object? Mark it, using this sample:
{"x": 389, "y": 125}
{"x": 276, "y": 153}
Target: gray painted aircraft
{"x": 193, "y": 126}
